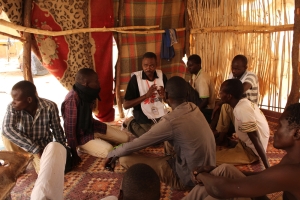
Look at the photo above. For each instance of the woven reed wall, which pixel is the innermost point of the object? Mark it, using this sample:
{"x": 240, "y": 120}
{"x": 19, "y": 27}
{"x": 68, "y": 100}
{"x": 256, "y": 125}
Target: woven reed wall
{"x": 235, "y": 24}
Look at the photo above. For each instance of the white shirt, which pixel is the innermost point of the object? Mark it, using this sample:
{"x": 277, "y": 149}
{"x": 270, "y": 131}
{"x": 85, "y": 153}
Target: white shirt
{"x": 248, "y": 118}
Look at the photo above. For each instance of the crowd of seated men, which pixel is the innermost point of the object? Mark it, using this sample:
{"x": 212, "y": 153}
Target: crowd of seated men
{"x": 190, "y": 133}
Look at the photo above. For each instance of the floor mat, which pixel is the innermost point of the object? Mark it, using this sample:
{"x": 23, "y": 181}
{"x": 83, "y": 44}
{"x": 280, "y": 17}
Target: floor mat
{"x": 91, "y": 181}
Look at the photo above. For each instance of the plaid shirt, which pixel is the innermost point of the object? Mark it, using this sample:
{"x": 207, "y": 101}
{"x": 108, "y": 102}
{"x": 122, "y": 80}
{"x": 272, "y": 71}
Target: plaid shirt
{"x": 34, "y": 133}
{"x": 75, "y": 135}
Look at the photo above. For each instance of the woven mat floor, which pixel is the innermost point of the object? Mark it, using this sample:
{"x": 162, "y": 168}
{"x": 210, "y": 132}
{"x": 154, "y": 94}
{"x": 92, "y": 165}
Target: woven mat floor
{"x": 91, "y": 181}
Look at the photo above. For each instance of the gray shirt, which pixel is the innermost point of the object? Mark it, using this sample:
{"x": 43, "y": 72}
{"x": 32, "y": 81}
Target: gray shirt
{"x": 188, "y": 131}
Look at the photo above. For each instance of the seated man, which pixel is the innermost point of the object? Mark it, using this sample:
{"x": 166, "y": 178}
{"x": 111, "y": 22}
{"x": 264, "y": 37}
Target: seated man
{"x": 31, "y": 123}
{"x": 251, "y": 88}
{"x": 185, "y": 128}
{"x": 139, "y": 182}
{"x": 81, "y": 129}
{"x": 202, "y": 90}
{"x": 226, "y": 181}
{"x": 50, "y": 181}
{"x": 251, "y": 127}
{"x": 144, "y": 94}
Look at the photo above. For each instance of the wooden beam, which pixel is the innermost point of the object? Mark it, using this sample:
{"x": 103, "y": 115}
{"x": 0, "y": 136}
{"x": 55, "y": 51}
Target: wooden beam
{"x": 294, "y": 95}
{"x": 187, "y": 30}
{"x": 35, "y": 49}
{"x": 244, "y": 29}
{"x": 22, "y": 39}
{"x": 149, "y": 32}
{"x": 69, "y": 32}
{"x": 118, "y": 65}
{"x": 27, "y": 4}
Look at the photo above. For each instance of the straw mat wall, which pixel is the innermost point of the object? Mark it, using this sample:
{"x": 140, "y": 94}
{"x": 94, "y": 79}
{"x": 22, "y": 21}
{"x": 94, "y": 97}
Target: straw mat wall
{"x": 223, "y": 29}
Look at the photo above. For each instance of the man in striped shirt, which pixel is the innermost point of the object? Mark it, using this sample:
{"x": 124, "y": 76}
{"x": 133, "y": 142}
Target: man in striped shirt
{"x": 251, "y": 127}
{"x": 225, "y": 120}
{"x": 31, "y": 122}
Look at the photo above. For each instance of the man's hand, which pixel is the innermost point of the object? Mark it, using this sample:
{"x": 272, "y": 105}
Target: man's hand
{"x": 75, "y": 158}
{"x": 161, "y": 91}
{"x": 151, "y": 90}
{"x": 110, "y": 163}
{"x": 40, "y": 153}
{"x": 199, "y": 170}
{"x": 215, "y": 110}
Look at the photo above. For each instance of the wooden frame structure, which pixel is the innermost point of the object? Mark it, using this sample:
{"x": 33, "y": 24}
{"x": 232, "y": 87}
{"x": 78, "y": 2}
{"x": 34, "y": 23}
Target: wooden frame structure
{"x": 28, "y": 31}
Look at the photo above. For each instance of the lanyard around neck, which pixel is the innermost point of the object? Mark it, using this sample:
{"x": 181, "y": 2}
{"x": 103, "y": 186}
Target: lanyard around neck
{"x": 148, "y": 83}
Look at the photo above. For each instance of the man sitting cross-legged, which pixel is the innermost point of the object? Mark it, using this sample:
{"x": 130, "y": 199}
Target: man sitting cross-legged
{"x": 227, "y": 182}
{"x": 31, "y": 123}
{"x": 50, "y": 181}
{"x": 185, "y": 128}
{"x": 81, "y": 129}
{"x": 251, "y": 127}
{"x": 144, "y": 94}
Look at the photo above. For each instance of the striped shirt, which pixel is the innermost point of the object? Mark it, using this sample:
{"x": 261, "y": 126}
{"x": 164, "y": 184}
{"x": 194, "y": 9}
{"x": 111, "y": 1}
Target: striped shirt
{"x": 252, "y": 93}
{"x": 34, "y": 133}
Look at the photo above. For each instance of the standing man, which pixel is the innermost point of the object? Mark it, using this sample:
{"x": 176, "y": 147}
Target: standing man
{"x": 251, "y": 91}
{"x": 144, "y": 94}
{"x": 203, "y": 87}
{"x": 31, "y": 123}
{"x": 81, "y": 129}
{"x": 251, "y": 127}
{"x": 185, "y": 128}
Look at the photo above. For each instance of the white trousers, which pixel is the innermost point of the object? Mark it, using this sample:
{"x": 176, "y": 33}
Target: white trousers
{"x": 99, "y": 147}
{"x": 50, "y": 181}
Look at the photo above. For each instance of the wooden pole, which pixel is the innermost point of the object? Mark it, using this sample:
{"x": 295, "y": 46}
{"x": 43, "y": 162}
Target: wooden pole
{"x": 244, "y": 29}
{"x": 187, "y": 30}
{"x": 118, "y": 65}
{"x": 35, "y": 49}
{"x": 12, "y": 36}
{"x": 295, "y": 93}
{"x": 27, "y": 4}
{"x": 73, "y": 31}
{"x": 149, "y": 32}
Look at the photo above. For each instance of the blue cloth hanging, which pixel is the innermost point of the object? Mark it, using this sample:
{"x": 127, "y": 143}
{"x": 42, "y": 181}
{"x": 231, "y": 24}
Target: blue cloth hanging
{"x": 168, "y": 39}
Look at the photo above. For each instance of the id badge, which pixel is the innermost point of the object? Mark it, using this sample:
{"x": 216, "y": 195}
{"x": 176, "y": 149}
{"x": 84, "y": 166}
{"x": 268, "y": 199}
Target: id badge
{"x": 154, "y": 110}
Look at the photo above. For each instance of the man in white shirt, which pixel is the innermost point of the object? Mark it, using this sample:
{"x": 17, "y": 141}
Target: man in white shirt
{"x": 250, "y": 90}
{"x": 251, "y": 127}
{"x": 202, "y": 87}
{"x": 144, "y": 94}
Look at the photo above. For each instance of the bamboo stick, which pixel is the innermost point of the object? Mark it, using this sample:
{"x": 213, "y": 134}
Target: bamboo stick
{"x": 244, "y": 29}
{"x": 118, "y": 65}
{"x": 22, "y": 39}
{"x": 69, "y": 32}
{"x": 187, "y": 32}
{"x": 149, "y": 32}
{"x": 217, "y": 48}
{"x": 27, "y": 45}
